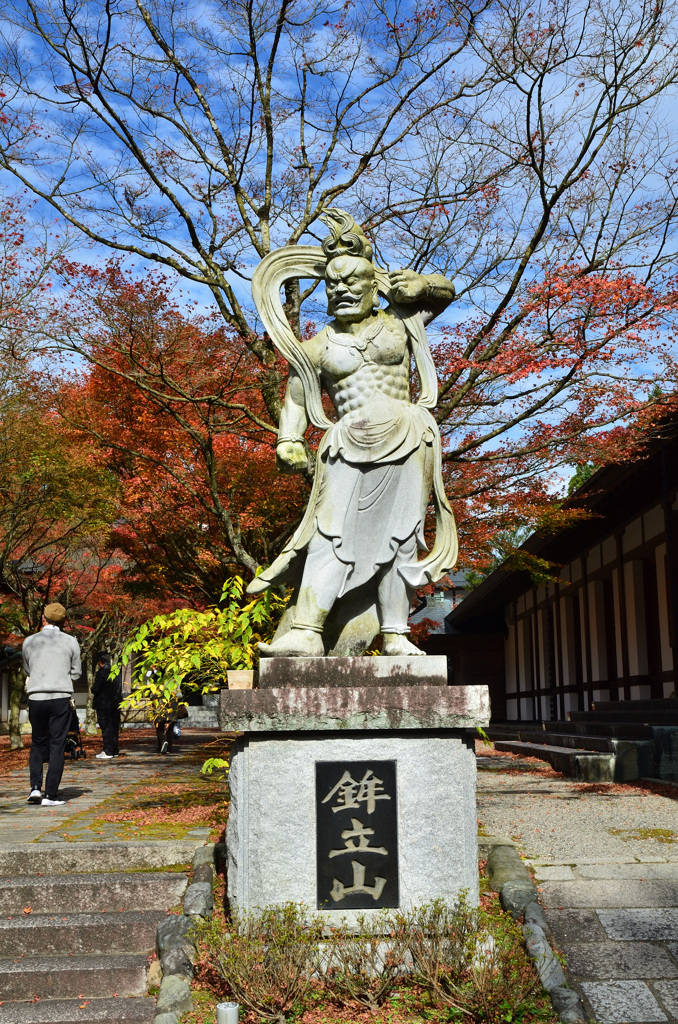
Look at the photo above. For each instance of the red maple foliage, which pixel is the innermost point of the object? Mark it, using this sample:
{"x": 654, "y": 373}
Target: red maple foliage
{"x": 175, "y": 403}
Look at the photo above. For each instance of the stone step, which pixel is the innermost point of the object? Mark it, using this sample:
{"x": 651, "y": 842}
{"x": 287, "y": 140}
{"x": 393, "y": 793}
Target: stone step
{"x": 91, "y": 893}
{"x": 588, "y": 767}
{"x": 585, "y": 744}
{"x": 65, "y": 858}
{"x": 77, "y": 1011}
{"x": 655, "y": 716}
{"x": 576, "y": 741}
{"x": 47, "y": 977}
{"x": 649, "y": 704}
{"x": 594, "y": 727}
{"x": 599, "y": 744}
{"x": 201, "y": 718}
{"x": 132, "y": 931}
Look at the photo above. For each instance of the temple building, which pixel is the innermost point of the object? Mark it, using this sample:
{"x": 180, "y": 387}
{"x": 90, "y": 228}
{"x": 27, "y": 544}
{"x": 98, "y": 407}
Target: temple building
{"x": 598, "y": 643}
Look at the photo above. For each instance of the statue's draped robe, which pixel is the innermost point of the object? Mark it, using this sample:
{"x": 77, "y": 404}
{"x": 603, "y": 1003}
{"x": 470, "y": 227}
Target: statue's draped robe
{"x": 376, "y": 468}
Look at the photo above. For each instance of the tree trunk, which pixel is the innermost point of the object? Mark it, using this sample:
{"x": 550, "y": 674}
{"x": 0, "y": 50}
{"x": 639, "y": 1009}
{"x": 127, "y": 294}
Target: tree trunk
{"x": 90, "y": 713}
{"x": 16, "y": 691}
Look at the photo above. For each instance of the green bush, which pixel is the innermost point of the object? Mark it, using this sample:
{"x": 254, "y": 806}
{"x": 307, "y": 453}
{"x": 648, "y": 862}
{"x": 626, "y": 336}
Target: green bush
{"x": 365, "y": 964}
{"x": 470, "y": 961}
{"x": 442, "y": 943}
{"x": 267, "y": 960}
{"x": 470, "y": 964}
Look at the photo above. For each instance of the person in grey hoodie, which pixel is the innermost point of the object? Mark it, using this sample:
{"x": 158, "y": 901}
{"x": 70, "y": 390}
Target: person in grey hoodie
{"x": 52, "y": 664}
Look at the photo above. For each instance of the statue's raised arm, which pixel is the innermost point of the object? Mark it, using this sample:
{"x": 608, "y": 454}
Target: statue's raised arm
{"x": 353, "y": 561}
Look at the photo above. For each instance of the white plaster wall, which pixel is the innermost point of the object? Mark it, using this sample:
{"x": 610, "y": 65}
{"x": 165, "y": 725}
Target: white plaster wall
{"x": 593, "y": 560}
{"x": 524, "y": 656}
{"x": 570, "y": 702}
{"x": 635, "y": 619}
{"x": 617, "y": 621}
{"x": 609, "y": 550}
{"x": 567, "y": 640}
{"x": 512, "y": 710}
{"x": 653, "y": 522}
{"x": 640, "y": 692}
{"x": 582, "y": 633}
{"x": 663, "y": 599}
{"x": 510, "y": 659}
{"x": 540, "y": 641}
{"x": 597, "y": 631}
{"x": 633, "y": 535}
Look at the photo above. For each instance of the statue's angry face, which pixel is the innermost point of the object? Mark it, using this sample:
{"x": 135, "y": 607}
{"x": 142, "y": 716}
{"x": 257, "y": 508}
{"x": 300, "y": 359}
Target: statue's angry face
{"x": 351, "y": 288}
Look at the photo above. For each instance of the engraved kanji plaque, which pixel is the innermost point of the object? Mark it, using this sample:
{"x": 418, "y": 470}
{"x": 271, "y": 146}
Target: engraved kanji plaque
{"x": 357, "y": 830}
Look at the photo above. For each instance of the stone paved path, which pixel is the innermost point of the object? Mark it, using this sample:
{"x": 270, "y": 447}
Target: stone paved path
{"x": 85, "y": 785}
{"x": 606, "y": 861}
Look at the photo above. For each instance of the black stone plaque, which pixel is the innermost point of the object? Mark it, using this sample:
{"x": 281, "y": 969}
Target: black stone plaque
{"x": 357, "y": 823}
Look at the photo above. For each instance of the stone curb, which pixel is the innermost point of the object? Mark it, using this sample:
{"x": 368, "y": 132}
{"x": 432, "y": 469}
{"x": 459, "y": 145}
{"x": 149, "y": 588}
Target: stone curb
{"x": 519, "y": 897}
{"x": 175, "y": 951}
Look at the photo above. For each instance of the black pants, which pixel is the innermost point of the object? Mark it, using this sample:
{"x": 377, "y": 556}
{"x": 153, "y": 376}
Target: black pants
{"x": 49, "y": 720}
{"x": 109, "y": 723}
{"x": 164, "y": 732}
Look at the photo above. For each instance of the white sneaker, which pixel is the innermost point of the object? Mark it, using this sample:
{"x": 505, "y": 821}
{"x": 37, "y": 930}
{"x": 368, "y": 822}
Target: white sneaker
{"x": 103, "y": 756}
{"x": 35, "y": 797}
{"x": 46, "y": 802}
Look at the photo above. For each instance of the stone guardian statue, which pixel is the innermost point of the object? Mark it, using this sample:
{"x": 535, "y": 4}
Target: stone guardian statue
{"x": 354, "y": 559}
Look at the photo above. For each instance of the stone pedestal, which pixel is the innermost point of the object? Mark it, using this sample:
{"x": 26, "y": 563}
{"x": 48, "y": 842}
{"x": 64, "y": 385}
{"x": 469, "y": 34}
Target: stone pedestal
{"x": 353, "y": 799}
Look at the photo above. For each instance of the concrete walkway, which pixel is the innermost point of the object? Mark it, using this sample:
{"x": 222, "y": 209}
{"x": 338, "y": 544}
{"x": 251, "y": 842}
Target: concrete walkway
{"x": 86, "y": 784}
{"x": 605, "y": 859}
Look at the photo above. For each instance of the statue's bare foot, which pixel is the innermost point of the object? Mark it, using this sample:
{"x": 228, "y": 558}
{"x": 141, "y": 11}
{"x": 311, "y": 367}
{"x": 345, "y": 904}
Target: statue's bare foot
{"x": 297, "y": 643}
{"x": 396, "y": 645}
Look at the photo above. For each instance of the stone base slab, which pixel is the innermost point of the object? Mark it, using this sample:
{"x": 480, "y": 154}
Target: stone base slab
{"x": 370, "y": 707}
{"x": 329, "y": 672}
{"x": 271, "y": 836}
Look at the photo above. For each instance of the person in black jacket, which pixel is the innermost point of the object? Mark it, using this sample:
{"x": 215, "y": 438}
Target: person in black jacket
{"x": 107, "y": 695}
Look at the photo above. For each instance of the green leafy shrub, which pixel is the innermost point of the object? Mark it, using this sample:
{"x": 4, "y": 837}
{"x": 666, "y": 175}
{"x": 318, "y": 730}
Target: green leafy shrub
{"x": 266, "y": 960}
{"x": 470, "y": 961}
{"x": 364, "y": 964}
{"x": 502, "y": 979}
{"x": 466, "y": 962}
{"x": 442, "y": 943}
{"x": 192, "y": 650}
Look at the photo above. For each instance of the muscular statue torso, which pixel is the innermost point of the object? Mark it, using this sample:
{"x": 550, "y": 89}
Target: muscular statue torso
{"x": 355, "y": 367}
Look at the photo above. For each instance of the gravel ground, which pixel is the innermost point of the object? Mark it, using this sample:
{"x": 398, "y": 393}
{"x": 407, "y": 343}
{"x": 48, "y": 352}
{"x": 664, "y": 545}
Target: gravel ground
{"x": 605, "y": 859}
{"x": 558, "y": 821}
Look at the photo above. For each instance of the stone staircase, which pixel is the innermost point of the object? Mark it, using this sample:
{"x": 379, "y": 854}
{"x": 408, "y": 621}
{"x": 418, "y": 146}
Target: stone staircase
{"x": 616, "y": 741}
{"x": 77, "y": 927}
{"x": 201, "y": 718}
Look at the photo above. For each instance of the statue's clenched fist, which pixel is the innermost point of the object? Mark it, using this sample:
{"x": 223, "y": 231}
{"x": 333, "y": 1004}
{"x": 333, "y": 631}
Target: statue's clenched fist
{"x": 408, "y": 286}
{"x": 291, "y": 456}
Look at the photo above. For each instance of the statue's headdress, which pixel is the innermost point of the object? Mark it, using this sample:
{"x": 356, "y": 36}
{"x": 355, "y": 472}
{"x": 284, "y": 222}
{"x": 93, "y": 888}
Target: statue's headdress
{"x": 346, "y": 238}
